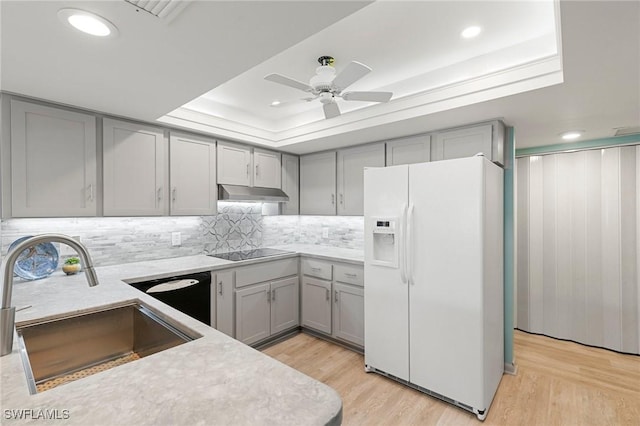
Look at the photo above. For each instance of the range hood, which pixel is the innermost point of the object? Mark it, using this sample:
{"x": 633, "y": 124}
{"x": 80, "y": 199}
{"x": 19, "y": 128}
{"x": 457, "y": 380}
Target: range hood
{"x": 251, "y": 193}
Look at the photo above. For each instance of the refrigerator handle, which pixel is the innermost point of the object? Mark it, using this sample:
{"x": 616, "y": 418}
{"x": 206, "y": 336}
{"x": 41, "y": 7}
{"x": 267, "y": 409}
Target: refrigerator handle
{"x": 409, "y": 247}
{"x": 403, "y": 245}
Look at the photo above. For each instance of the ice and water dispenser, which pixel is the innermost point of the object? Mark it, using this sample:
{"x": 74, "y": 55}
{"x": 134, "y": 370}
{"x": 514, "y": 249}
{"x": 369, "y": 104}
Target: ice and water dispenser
{"x": 385, "y": 241}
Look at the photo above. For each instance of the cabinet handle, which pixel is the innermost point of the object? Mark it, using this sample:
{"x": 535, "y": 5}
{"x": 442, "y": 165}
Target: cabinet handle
{"x": 341, "y": 199}
{"x": 220, "y": 288}
{"x": 159, "y": 194}
{"x": 273, "y": 295}
{"x": 90, "y": 192}
{"x": 336, "y": 295}
{"x": 174, "y": 194}
{"x": 315, "y": 269}
{"x": 328, "y": 294}
{"x": 349, "y": 274}
{"x": 268, "y": 296}
{"x": 333, "y": 198}
{"x": 247, "y": 169}
{"x": 257, "y": 170}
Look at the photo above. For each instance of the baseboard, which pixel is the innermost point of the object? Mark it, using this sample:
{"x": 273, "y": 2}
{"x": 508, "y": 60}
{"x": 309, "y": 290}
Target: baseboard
{"x": 511, "y": 368}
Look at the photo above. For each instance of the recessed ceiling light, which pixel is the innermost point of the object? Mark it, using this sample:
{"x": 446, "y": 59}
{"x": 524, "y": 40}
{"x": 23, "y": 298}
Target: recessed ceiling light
{"x": 574, "y": 134}
{"x": 275, "y": 103}
{"x": 87, "y": 22}
{"x": 471, "y": 32}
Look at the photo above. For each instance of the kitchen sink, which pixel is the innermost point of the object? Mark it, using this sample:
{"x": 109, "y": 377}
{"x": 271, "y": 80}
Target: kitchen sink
{"x": 65, "y": 349}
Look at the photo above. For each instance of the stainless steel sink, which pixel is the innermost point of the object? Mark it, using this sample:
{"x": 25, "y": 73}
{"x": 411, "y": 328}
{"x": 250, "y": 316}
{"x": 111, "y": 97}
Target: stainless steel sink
{"x": 68, "y": 348}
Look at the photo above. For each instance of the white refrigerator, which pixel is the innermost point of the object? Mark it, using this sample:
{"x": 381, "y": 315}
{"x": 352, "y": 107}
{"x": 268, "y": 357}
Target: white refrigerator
{"x": 434, "y": 278}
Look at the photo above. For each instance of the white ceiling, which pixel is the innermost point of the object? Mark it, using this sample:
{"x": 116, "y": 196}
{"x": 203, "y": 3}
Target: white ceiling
{"x": 220, "y": 51}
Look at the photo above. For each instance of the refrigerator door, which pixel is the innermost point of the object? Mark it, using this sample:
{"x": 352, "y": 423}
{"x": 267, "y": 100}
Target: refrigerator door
{"x": 446, "y": 258}
{"x": 385, "y": 292}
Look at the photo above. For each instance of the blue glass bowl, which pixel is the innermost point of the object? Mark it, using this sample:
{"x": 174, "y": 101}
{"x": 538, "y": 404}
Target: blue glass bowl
{"x": 35, "y": 262}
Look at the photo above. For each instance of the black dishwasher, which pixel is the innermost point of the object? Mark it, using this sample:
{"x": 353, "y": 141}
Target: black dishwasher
{"x": 190, "y": 294}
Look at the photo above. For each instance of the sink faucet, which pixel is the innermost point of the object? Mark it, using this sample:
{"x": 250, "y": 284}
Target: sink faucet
{"x": 8, "y": 312}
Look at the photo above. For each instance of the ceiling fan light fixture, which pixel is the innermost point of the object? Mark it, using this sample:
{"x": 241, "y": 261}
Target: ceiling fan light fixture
{"x": 471, "y": 32}
{"x": 323, "y": 79}
{"x": 87, "y": 22}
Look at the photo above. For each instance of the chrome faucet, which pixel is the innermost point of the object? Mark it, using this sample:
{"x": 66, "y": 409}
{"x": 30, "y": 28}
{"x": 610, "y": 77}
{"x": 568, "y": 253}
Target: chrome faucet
{"x": 8, "y": 312}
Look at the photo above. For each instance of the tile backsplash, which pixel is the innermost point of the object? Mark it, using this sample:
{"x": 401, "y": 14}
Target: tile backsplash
{"x": 114, "y": 240}
{"x": 237, "y": 226}
{"x": 342, "y": 231}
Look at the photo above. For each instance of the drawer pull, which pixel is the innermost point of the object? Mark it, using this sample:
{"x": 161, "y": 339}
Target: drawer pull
{"x": 316, "y": 269}
{"x": 351, "y": 275}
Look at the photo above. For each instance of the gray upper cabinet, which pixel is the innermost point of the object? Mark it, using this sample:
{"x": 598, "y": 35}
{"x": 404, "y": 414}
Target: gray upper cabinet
{"x": 192, "y": 172}
{"x": 351, "y": 164}
{"x": 234, "y": 164}
{"x": 135, "y": 165}
{"x": 267, "y": 169}
{"x": 53, "y": 162}
{"x": 290, "y": 183}
{"x": 414, "y": 149}
{"x": 318, "y": 183}
{"x": 487, "y": 138}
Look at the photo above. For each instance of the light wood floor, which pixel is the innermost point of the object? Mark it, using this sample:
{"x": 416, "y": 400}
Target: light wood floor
{"x": 558, "y": 383}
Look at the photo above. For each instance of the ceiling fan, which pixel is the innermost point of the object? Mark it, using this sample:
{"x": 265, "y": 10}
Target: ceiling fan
{"x": 327, "y": 86}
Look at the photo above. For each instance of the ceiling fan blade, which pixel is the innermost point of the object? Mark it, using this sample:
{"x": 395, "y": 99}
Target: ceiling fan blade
{"x": 352, "y": 73}
{"x": 292, "y": 102}
{"x": 281, "y": 79}
{"x": 331, "y": 110}
{"x": 367, "y": 96}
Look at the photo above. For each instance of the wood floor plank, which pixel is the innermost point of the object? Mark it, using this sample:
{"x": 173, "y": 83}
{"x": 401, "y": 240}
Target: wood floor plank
{"x": 558, "y": 383}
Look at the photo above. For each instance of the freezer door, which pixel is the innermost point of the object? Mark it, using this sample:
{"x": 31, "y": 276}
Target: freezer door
{"x": 446, "y": 278}
{"x": 385, "y": 293}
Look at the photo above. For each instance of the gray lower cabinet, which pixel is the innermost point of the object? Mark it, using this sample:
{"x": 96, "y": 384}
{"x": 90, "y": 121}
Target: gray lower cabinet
{"x": 224, "y": 302}
{"x": 333, "y": 299}
{"x": 316, "y": 304}
{"x": 267, "y": 308}
{"x": 348, "y": 313}
{"x": 253, "y": 313}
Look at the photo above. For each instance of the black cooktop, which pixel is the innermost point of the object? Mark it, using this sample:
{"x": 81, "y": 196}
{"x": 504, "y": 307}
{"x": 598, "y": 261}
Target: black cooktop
{"x": 249, "y": 254}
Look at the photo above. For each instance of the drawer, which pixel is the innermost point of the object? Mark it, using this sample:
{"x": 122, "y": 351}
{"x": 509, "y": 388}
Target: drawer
{"x": 267, "y": 271}
{"x": 316, "y": 268}
{"x": 350, "y": 274}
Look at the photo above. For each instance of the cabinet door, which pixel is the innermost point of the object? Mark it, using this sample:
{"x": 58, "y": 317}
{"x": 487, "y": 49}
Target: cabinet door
{"x": 224, "y": 302}
{"x": 192, "y": 175}
{"x": 414, "y": 149}
{"x": 290, "y": 183}
{"x": 234, "y": 164}
{"x": 267, "y": 169}
{"x": 253, "y": 314}
{"x": 348, "y": 313}
{"x": 318, "y": 183}
{"x": 285, "y": 304}
{"x": 465, "y": 142}
{"x": 351, "y": 164}
{"x": 53, "y": 162}
{"x": 135, "y": 161}
{"x": 316, "y": 304}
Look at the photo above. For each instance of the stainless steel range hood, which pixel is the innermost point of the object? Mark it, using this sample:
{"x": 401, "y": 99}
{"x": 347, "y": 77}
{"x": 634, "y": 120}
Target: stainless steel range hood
{"x": 251, "y": 193}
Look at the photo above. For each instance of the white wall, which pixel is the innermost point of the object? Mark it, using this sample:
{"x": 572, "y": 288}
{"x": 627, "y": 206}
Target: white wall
{"x": 578, "y": 246}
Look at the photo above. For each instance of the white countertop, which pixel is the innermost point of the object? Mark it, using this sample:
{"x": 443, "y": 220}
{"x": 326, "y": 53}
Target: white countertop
{"x": 211, "y": 380}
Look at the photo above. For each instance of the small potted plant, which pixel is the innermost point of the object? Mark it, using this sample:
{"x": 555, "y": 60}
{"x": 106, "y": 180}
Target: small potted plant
{"x": 71, "y": 266}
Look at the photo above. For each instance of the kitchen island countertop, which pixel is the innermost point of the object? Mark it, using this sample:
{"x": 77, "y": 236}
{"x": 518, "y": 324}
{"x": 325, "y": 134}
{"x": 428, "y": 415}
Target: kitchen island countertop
{"x": 214, "y": 379}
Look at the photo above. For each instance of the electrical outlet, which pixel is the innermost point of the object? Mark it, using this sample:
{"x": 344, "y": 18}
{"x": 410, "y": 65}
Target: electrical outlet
{"x": 176, "y": 239}
{"x": 65, "y": 250}
{"x": 325, "y": 232}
